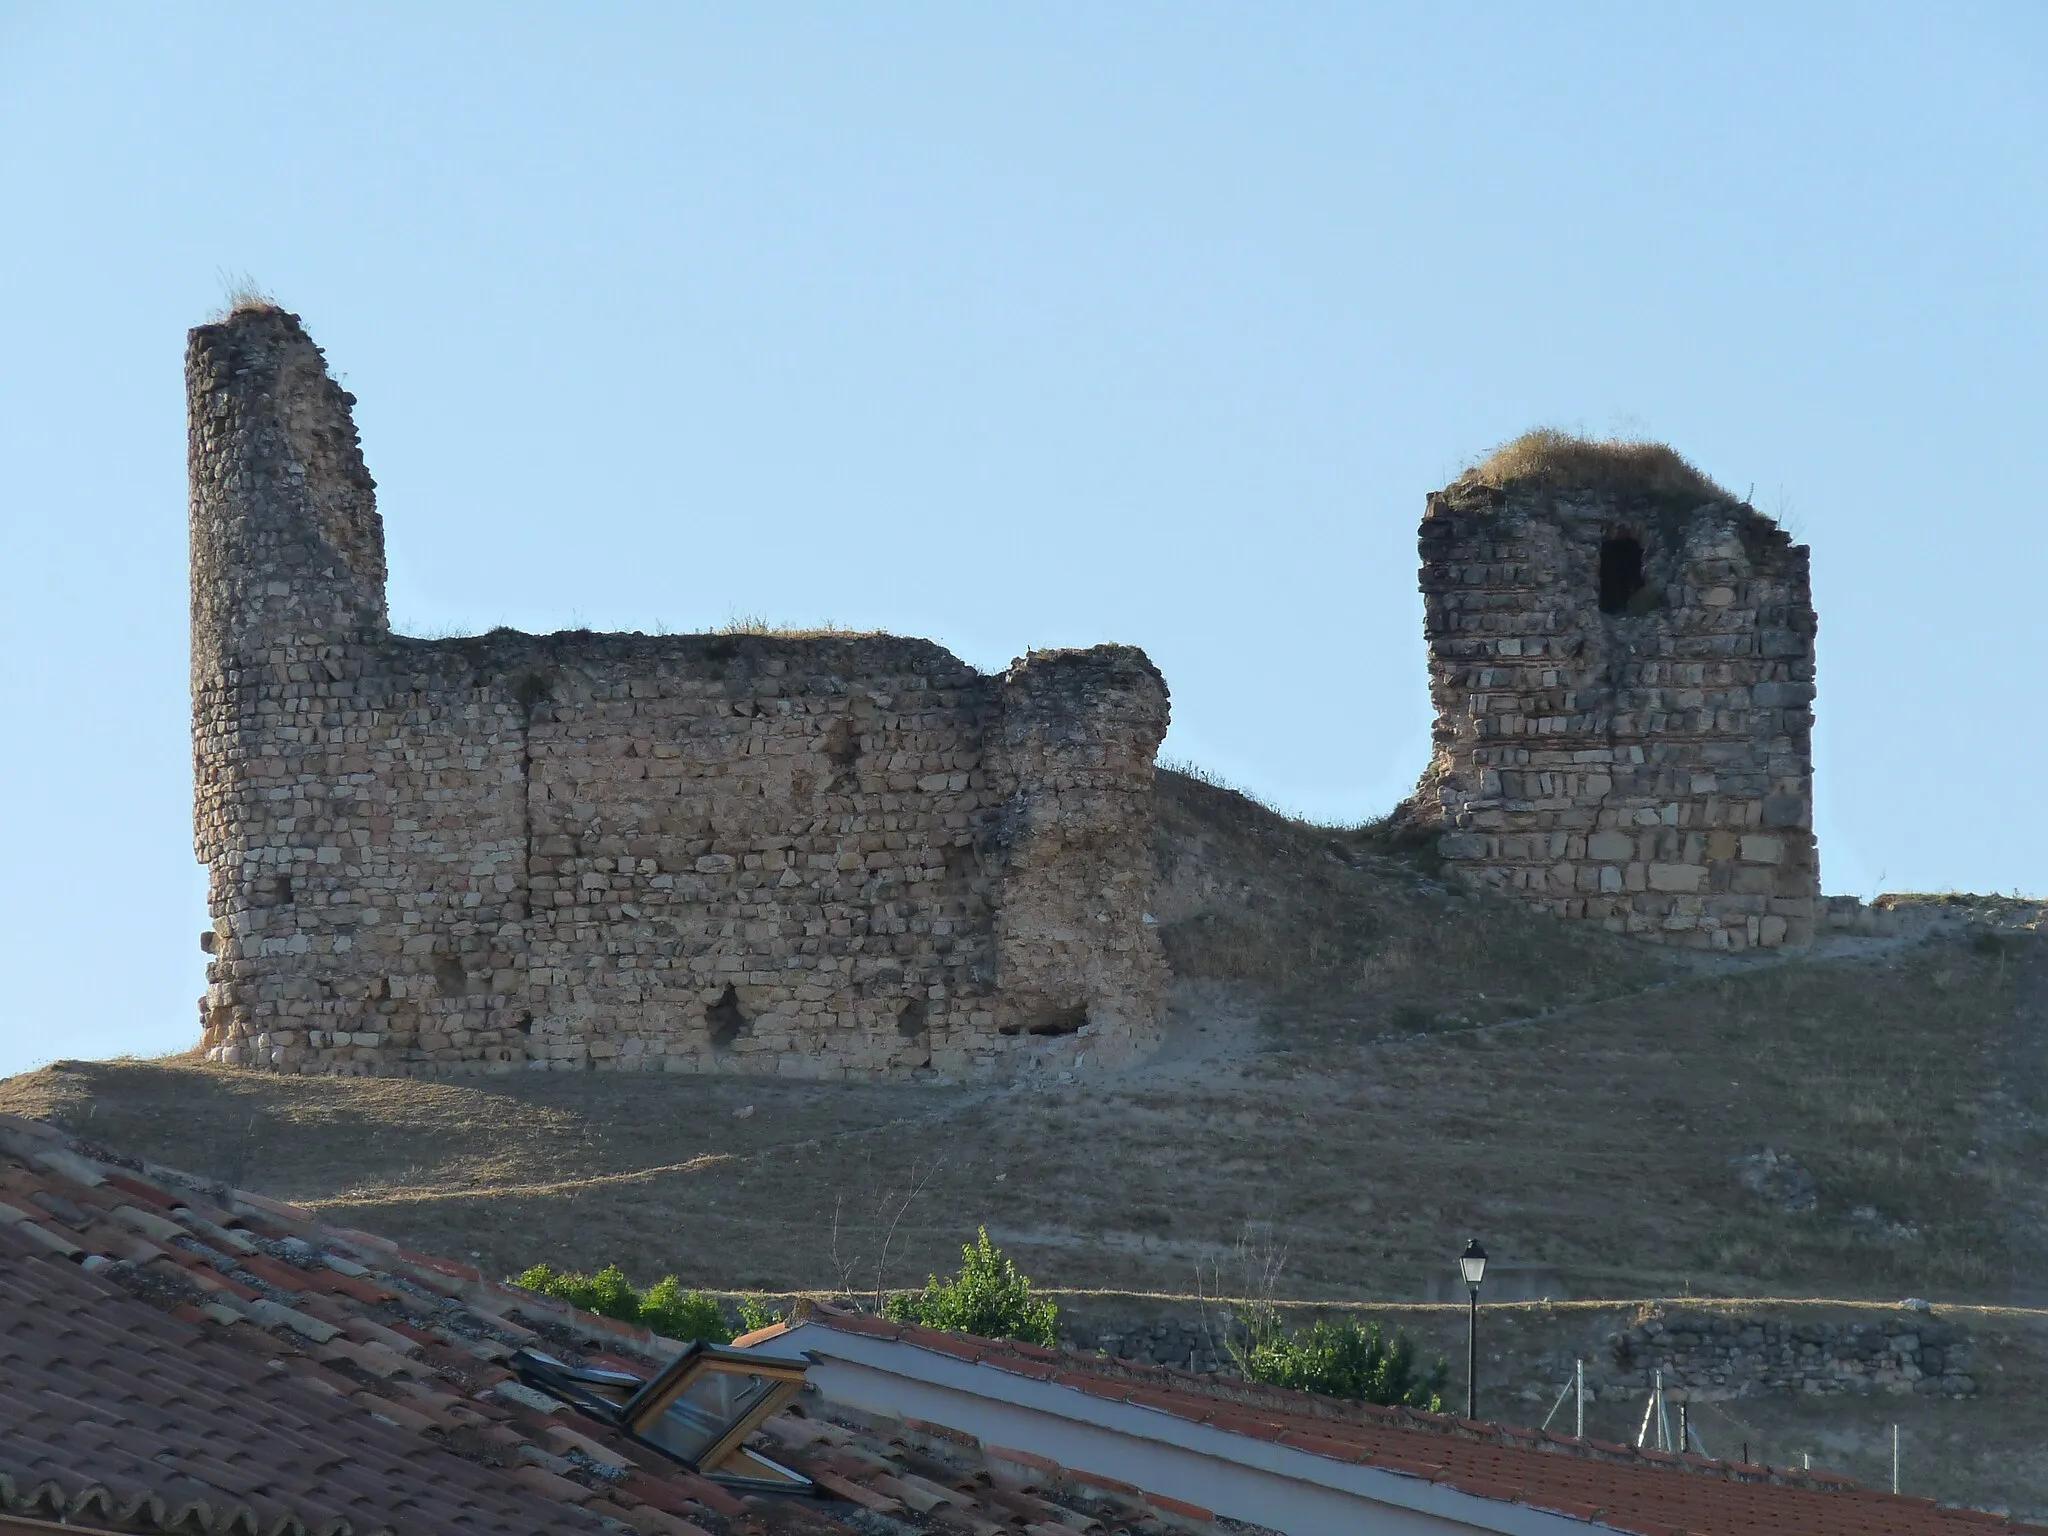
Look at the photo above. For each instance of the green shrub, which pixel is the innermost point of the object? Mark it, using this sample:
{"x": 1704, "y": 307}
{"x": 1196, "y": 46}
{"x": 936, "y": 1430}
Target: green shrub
{"x": 608, "y": 1293}
{"x": 988, "y": 1298}
{"x": 1346, "y": 1359}
{"x": 665, "y": 1306}
{"x": 669, "y": 1309}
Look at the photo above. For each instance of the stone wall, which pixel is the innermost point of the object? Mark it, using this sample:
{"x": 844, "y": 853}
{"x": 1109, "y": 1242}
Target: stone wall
{"x": 1717, "y": 1357}
{"x": 1623, "y": 687}
{"x": 1704, "y": 1355}
{"x": 1189, "y": 1343}
{"x": 820, "y": 856}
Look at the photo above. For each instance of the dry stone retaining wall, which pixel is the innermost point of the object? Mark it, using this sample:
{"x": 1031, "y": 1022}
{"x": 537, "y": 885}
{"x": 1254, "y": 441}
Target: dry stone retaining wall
{"x": 1704, "y": 1356}
{"x": 820, "y": 856}
{"x": 1715, "y": 1357}
{"x": 1184, "y": 1343}
{"x": 1623, "y": 689}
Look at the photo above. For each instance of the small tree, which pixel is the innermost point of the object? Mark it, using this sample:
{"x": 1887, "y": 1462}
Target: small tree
{"x": 1346, "y": 1359}
{"x": 988, "y": 1298}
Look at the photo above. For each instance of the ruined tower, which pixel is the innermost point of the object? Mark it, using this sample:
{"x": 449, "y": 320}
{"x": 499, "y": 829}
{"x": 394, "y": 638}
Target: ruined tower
{"x": 1622, "y": 667}
{"x": 820, "y": 856}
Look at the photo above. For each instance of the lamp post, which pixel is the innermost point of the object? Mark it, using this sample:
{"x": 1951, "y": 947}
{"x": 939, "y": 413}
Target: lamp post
{"x": 1472, "y": 1265}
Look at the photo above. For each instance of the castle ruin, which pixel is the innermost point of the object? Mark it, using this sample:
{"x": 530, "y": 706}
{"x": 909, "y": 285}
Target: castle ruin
{"x": 818, "y": 856}
{"x": 1621, "y": 660}
{"x": 854, "y": 856}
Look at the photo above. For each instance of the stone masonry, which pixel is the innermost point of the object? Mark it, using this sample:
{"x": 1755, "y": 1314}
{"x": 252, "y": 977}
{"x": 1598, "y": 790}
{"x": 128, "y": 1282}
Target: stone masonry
{"x": 829, "y": 856}
{"x": 1717, "y": 1357}
{"x": 1623, "y": 686}
{"x": 1700, "y": 1355}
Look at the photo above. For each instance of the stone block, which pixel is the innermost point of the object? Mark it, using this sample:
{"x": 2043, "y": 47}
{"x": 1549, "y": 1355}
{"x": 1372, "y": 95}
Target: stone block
{"x": 1611, "y": 847}
{"x": 1677, "y": 877}
{"x": 1782, "y": 695}
{"x": 1785, "y": 811}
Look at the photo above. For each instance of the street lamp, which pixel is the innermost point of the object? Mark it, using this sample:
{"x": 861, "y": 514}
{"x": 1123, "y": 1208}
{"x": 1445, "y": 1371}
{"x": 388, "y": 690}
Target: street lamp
{"x": 1472, "y": 1265}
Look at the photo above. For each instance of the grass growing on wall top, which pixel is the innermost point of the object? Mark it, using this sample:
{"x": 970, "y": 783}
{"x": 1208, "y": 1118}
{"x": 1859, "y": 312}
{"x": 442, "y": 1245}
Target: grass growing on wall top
{"x": 1568, "y": 462}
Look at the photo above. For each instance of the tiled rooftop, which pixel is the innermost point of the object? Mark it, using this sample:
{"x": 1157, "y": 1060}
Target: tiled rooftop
{"x": 176, "y": 1354}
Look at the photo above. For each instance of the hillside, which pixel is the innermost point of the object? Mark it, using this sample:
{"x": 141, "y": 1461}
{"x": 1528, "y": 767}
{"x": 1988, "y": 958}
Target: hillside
{"x": 1364, "y": 1069}
{"x": 1362, "y": 1061}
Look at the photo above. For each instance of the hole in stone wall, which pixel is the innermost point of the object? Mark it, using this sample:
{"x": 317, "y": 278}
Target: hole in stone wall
{"x": 1621, "y": 573}
{"x": 914, "y": 1019}
{"x": 450, "y": 977}
{"x": 725, "y": 1019}
{"x": 842, "y": 751}
{"x": 284, "y": 890}
{"x": 529, "y": 689}
{"x": 1060, "y": 1021}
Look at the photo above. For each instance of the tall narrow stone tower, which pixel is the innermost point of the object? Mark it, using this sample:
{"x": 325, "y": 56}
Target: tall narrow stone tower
{"x": 1622, "y": 668}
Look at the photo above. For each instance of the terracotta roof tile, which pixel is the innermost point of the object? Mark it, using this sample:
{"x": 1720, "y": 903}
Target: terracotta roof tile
{"x": 650, "y": 1521}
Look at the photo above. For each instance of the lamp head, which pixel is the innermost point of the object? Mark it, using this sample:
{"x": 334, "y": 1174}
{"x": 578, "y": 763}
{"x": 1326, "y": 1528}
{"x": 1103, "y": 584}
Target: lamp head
{"x": 1472, "y": 1263}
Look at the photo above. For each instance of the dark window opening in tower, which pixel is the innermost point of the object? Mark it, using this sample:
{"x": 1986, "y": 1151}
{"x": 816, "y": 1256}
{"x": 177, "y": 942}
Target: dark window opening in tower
{"x": 1621, "y": 573}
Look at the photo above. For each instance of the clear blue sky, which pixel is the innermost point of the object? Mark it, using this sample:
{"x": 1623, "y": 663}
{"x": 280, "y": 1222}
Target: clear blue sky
{"x": 1019, "y": 326}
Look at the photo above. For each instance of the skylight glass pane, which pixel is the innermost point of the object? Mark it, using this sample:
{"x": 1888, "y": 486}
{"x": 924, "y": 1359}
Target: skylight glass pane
{"x": 705, "y": 1410}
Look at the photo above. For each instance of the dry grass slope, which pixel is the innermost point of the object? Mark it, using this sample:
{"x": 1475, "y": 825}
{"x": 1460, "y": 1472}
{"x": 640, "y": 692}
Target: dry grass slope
{"x": 1358, "y": 914}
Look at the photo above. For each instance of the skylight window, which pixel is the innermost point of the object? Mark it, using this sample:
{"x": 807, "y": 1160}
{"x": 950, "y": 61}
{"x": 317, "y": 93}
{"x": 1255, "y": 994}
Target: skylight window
{"x": 699, "y": 1410}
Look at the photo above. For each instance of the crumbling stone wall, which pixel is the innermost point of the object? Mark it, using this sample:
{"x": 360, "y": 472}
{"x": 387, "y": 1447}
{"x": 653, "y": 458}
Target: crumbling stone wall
{"x": 1623, "y": 686}
{"x": 821, "y": 856}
